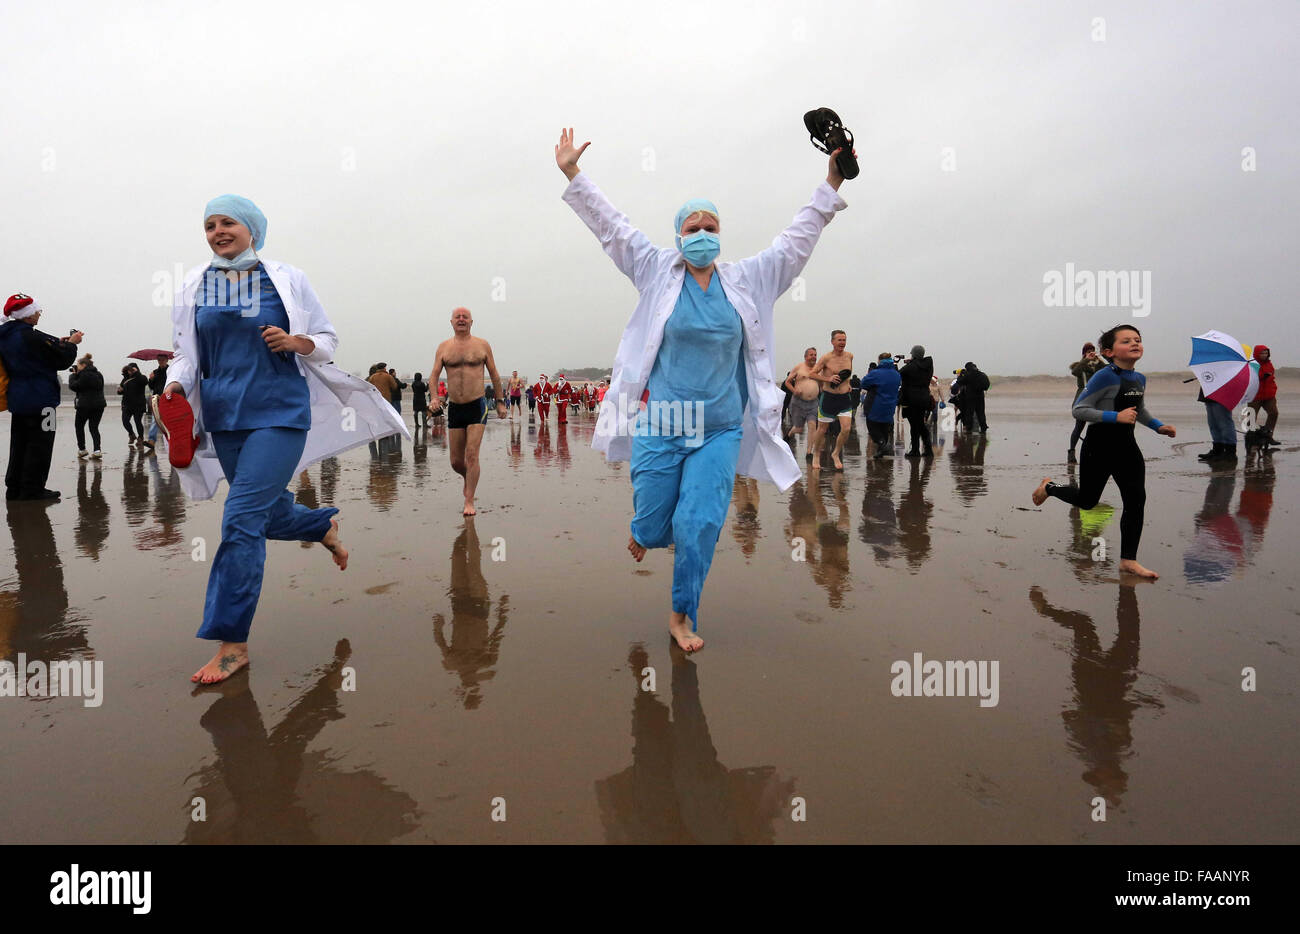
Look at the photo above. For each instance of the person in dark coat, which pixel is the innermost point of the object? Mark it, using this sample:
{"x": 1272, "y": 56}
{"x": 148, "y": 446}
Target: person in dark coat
{"x": 973, "y": 383}
{"x": 32, "y": 360}
{"x": 88, "y": 384}
{"x": 915, "y": 396}
{"x": 420, "y": 400}
{"x": 1082, "y": 370}
{"x": 131, "y": 389}
{"x": 882, "y": 386}
{"x": 157, "y": 385}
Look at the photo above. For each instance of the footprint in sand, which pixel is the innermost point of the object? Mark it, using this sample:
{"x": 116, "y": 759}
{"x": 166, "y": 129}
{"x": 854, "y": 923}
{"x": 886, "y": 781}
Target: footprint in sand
{"x": 381, "y": 588}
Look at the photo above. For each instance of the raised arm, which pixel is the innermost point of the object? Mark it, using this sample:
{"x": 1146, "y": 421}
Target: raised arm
{"x": 631, "y": 250}
{"x": 776, "y": 267}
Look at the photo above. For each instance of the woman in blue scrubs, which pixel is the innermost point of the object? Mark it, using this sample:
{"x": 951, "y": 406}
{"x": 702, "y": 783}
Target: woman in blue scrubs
{"x": 698, "y": 345}
{"x": 256, "y": 408}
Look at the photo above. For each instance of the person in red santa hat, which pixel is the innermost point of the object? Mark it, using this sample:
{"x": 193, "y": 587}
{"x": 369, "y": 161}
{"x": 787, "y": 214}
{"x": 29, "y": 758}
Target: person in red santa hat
{"x": 32, "y": 360}
{"x": 563, "y": 398}
{"x": 542, "y": 392}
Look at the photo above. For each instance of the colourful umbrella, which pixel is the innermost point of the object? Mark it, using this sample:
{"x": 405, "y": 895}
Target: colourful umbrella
{"x": 1222, "y": 366}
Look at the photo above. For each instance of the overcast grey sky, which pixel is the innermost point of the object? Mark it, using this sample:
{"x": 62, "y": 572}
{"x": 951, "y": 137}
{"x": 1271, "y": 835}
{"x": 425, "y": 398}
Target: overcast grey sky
{"x": 403, "y": 155}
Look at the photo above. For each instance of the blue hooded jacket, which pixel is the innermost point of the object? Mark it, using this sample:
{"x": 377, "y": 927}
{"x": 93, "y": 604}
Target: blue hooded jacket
{"x": 885, "y": 378}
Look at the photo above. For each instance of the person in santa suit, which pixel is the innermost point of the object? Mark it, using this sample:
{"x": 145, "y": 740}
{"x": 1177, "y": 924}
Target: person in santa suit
{"x": 563, "y": 398}
{"x": 542, "y": 392}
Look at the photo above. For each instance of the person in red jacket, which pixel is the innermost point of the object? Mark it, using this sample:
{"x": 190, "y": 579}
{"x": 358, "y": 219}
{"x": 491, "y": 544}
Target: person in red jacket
{"x": 1266, "y": 398}
{"x": 563, "y": 399}
{"x": 542, "y": 392}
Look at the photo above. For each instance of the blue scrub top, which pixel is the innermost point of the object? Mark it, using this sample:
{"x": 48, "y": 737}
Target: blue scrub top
{"x": 701, "y": 359}
{"x": 245, "y": 385}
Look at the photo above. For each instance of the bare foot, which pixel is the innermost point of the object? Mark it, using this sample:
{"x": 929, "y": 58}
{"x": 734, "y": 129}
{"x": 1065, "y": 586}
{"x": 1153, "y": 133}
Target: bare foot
{"x": 469, "y": 509}
{"x": 636, "y": 549}
{"x": 334, "y": 546}
{"x": 835, "y": 460}
{"x": 1128, "y": 566}
{"x": 230, "y": 657}
{"x": 681, "y": 632}
{"x": 1040, "y": 494}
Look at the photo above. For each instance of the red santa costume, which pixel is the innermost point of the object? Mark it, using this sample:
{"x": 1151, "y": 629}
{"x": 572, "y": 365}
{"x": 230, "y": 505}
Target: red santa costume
{"x": 543, "y": 393}
{"x": 563, "y": 398}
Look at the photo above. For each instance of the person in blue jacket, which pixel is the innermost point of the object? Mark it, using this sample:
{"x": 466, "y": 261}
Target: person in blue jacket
{"x": 884, "y": 379}
{"x": 32, "y": 360}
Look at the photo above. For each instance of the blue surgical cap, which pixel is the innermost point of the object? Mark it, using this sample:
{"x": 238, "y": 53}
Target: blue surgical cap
{"x": 694, "y": 206}
{"x": 242, "y": 210}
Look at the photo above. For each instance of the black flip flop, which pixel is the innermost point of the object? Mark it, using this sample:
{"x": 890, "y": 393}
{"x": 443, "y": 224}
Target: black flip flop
{"x": 828, "y": 134}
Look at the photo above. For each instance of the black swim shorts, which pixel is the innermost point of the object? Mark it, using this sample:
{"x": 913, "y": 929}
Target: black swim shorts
{"x": 464, "y": 414}
{"x": 831, "y": 405}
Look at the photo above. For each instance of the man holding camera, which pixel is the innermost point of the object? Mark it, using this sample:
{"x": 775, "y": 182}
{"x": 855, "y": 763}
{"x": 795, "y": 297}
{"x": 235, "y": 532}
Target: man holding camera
{"x": 32, "y": 360}
{"x": 1083, "y": 368}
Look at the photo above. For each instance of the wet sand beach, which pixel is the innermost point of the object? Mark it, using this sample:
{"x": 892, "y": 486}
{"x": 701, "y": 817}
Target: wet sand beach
{"x": 464, "y": 668}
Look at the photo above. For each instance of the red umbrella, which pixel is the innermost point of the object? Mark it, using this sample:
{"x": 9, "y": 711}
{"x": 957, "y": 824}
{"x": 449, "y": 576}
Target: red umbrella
{"x": 149, "y": 354}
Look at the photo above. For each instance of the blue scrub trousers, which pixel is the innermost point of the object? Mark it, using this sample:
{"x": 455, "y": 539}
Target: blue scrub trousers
{"x": 258, "y": 464}
{"x": 681, "y": 495}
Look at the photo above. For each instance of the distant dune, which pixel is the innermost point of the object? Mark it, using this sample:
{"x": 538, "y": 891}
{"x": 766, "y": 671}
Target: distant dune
{"x": 1288, "y": 380}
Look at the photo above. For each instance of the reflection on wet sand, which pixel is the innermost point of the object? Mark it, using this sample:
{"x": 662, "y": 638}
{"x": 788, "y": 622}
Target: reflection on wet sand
{"x": 676, "y": 790}
{"x": 135, "y": 488}
{"x": 34, "y": 614}
{"x": 967, "y": 464}
{"x": 879, "y": 526}
{"x": 1099, "y": 726}
{"x": 329, "y": 480}
{"x": 744, "y": 527}
{"x": 825, "y": 546}
{"x": 473, "y": 650}
{"x": 1224, "y": 545}
{"x": 168, "y": 509}
{"x": 270, "y": 789}
{"x": 385, "y": 471}
{"x": 92, "y": 511}
{"x": 914, "y": 515}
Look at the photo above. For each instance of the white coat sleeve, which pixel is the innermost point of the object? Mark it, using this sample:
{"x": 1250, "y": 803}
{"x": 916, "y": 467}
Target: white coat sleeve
{"x": 319, "y": 329}
{"x": 182, "y": 369}
{"x": 633, "y": 253}
{"x": 773, "y": 270}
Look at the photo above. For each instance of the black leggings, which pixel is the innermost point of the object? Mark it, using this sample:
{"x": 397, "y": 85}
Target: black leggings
{"x": 915, "y": 415}
{"x": 89, "y": 417}
{"x": 139, "y": 423}
{"x": 1111, "y": 453}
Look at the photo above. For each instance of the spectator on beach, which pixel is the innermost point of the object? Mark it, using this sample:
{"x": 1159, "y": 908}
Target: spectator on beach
{"x": 973, "y": 383}
{"x": 384, "y": 381}
{"x": 883, "y": 382}
{"x": 157, "y": 383}
{"x": 398, "y": 386}
{"x": 32, "y": 360}
{"x": 1223, "y": 433}
{"x": 131, "y": 389}
{"x": 1083, "y": 368}
{"x": 915, "y": 376}
{"x": 1266, "y": 397}
{"x": 88, "y": 384}
{"x": 420, "y": 400}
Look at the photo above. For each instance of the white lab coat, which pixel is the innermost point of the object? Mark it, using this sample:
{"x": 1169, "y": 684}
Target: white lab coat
{"x": 753, "y": 285}
{"x": 346, "y": 411}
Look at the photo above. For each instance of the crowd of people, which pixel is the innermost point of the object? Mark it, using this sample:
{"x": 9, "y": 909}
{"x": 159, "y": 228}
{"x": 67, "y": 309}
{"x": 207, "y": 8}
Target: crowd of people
{"x": 250, "y": 394}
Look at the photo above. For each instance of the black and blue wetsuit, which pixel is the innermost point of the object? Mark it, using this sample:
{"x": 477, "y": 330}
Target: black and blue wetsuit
{"x": 1110, "y": 450}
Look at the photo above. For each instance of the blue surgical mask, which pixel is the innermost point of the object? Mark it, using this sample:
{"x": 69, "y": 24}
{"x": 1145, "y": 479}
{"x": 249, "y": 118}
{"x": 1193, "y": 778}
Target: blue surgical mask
{"x": 700, "y": 249}
{"x": 245, "y": 260}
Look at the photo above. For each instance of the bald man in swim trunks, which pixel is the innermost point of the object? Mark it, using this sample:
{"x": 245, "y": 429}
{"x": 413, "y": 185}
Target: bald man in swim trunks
{"x": 834, "y": 371}
{"x": 465, "y": 358}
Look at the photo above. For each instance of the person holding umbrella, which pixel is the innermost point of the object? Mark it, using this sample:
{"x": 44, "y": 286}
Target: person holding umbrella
{"x": 252, "y": 370}
{"x": 1112, "y": 403}
{"x": 700, "y": 340}
{"x": 157, "y": 384}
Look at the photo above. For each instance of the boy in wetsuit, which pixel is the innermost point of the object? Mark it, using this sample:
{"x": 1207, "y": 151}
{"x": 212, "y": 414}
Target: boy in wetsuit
{"x": 1112, "y": 403}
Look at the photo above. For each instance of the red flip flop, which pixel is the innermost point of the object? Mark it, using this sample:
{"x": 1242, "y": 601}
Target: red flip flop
{"x": 176, "y": 419}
